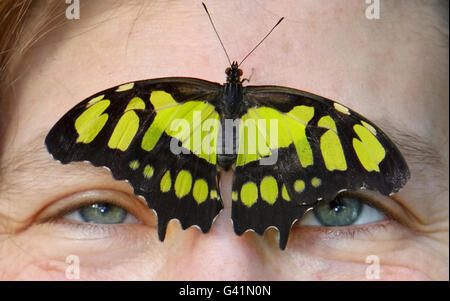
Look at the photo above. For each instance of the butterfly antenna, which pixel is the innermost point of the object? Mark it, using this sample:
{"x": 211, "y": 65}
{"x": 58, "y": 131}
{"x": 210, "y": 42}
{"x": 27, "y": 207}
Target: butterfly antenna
{"x": 220, "y": 40}
{"x": 279, "y": 21}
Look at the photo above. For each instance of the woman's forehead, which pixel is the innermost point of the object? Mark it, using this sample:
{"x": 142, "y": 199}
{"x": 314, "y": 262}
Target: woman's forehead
{"x": 376, "y": 67}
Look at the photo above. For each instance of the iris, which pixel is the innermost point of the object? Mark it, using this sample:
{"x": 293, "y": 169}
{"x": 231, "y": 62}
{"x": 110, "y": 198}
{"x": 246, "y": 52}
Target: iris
{"x": 342, "y": 211}
{"x": 103, "y": 213}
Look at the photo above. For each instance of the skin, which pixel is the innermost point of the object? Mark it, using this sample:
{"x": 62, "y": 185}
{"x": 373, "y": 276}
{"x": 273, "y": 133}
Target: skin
{"x": 393, "y": 70}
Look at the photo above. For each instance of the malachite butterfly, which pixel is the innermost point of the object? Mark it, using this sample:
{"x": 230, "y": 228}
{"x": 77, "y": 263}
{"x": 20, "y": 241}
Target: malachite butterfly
{"x": 169, "y": 138}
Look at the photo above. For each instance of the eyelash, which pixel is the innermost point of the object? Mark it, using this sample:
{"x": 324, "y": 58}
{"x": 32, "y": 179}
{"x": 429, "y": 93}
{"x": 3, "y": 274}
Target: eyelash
{"x": 355, "y": 231}
{"x": 74, "y": 204}
{"x": 75, "y": 207}
{"x": 333, "y": 231}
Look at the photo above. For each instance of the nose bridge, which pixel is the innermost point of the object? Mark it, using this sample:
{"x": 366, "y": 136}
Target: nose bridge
{"x": 219, "y": 262}
{"x": 219, "y": 255}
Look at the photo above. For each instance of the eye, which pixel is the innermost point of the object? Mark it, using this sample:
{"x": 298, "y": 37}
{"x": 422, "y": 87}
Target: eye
{"x": 342, "y": 211}
{"x": 101, "y": 213}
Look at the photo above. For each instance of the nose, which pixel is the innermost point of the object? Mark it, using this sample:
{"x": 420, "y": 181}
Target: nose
{"x": 221, "y": 254}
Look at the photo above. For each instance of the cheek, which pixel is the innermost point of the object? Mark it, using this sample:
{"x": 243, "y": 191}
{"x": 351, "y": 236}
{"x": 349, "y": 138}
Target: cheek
{"x": 134, "y": 253}
{"x": 394, "y": 254}
{"x": 373, "y": 271}
{"x": 145, "y": 267}
{"x": 37, "y": 254}
{"x": 20, "y": 262}
{"x": 76, "y": 268}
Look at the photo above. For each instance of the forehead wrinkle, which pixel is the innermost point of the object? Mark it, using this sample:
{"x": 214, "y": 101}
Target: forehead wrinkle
{"x": 22, "y": 169}
{"x": 428, "y": 166}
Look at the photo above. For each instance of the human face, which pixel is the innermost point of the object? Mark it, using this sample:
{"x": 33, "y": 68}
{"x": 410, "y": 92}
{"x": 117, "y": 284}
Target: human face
{"x": 393, "y": 70}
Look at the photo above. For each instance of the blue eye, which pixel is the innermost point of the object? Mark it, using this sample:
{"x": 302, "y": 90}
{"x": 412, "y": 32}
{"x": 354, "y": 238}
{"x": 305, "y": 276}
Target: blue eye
{"x": 340, "y": 212}
{"x": 101, "y": 213}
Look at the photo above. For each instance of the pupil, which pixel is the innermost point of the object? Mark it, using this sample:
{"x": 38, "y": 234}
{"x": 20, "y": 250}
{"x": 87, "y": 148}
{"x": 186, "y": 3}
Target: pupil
{"x": 336, "y": 206}
{"x": 103, "y": 209}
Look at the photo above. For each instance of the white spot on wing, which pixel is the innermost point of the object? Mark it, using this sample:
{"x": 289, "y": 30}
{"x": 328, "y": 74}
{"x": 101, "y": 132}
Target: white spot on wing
{"x": 341, "y": 108}
{"x": 125, "y": 87}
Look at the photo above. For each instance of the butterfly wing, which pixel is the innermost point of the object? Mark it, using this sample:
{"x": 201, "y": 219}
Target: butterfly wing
{"x": 315, "y": 149}
{"x": 144, "y": 132}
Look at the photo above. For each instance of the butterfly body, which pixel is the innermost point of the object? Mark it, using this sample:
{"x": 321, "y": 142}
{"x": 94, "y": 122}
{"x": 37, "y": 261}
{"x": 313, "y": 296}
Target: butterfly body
{"x": 230, "y": 105}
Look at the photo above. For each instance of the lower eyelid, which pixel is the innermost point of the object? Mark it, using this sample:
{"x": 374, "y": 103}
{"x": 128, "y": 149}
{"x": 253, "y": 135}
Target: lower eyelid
{"x": 347, "y": 232}
{"x": 75, "y": 215}
{"x": 69, "y": 229}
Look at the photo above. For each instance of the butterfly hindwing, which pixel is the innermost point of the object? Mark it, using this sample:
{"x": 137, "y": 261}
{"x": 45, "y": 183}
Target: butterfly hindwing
{"x": 127, "y": 129}
{"x": 263, "y": 196}
{"x": 323, "y": 148}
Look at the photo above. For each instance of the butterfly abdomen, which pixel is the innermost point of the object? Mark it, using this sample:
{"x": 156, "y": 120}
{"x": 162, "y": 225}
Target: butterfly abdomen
{"x": 228, "y": 138}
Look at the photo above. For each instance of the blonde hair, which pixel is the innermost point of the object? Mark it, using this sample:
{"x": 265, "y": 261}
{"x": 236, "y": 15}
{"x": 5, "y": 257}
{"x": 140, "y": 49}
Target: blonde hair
{"x": 12, "y": 16}
{"x": 22, "y": 24}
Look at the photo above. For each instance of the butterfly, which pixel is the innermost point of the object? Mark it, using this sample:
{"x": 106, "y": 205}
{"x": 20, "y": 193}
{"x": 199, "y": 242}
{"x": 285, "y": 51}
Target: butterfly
{"x": 170, "y": 137}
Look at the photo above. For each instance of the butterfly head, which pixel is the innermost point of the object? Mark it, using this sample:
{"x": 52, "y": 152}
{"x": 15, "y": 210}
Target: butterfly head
{"x": 233, "y": 73}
